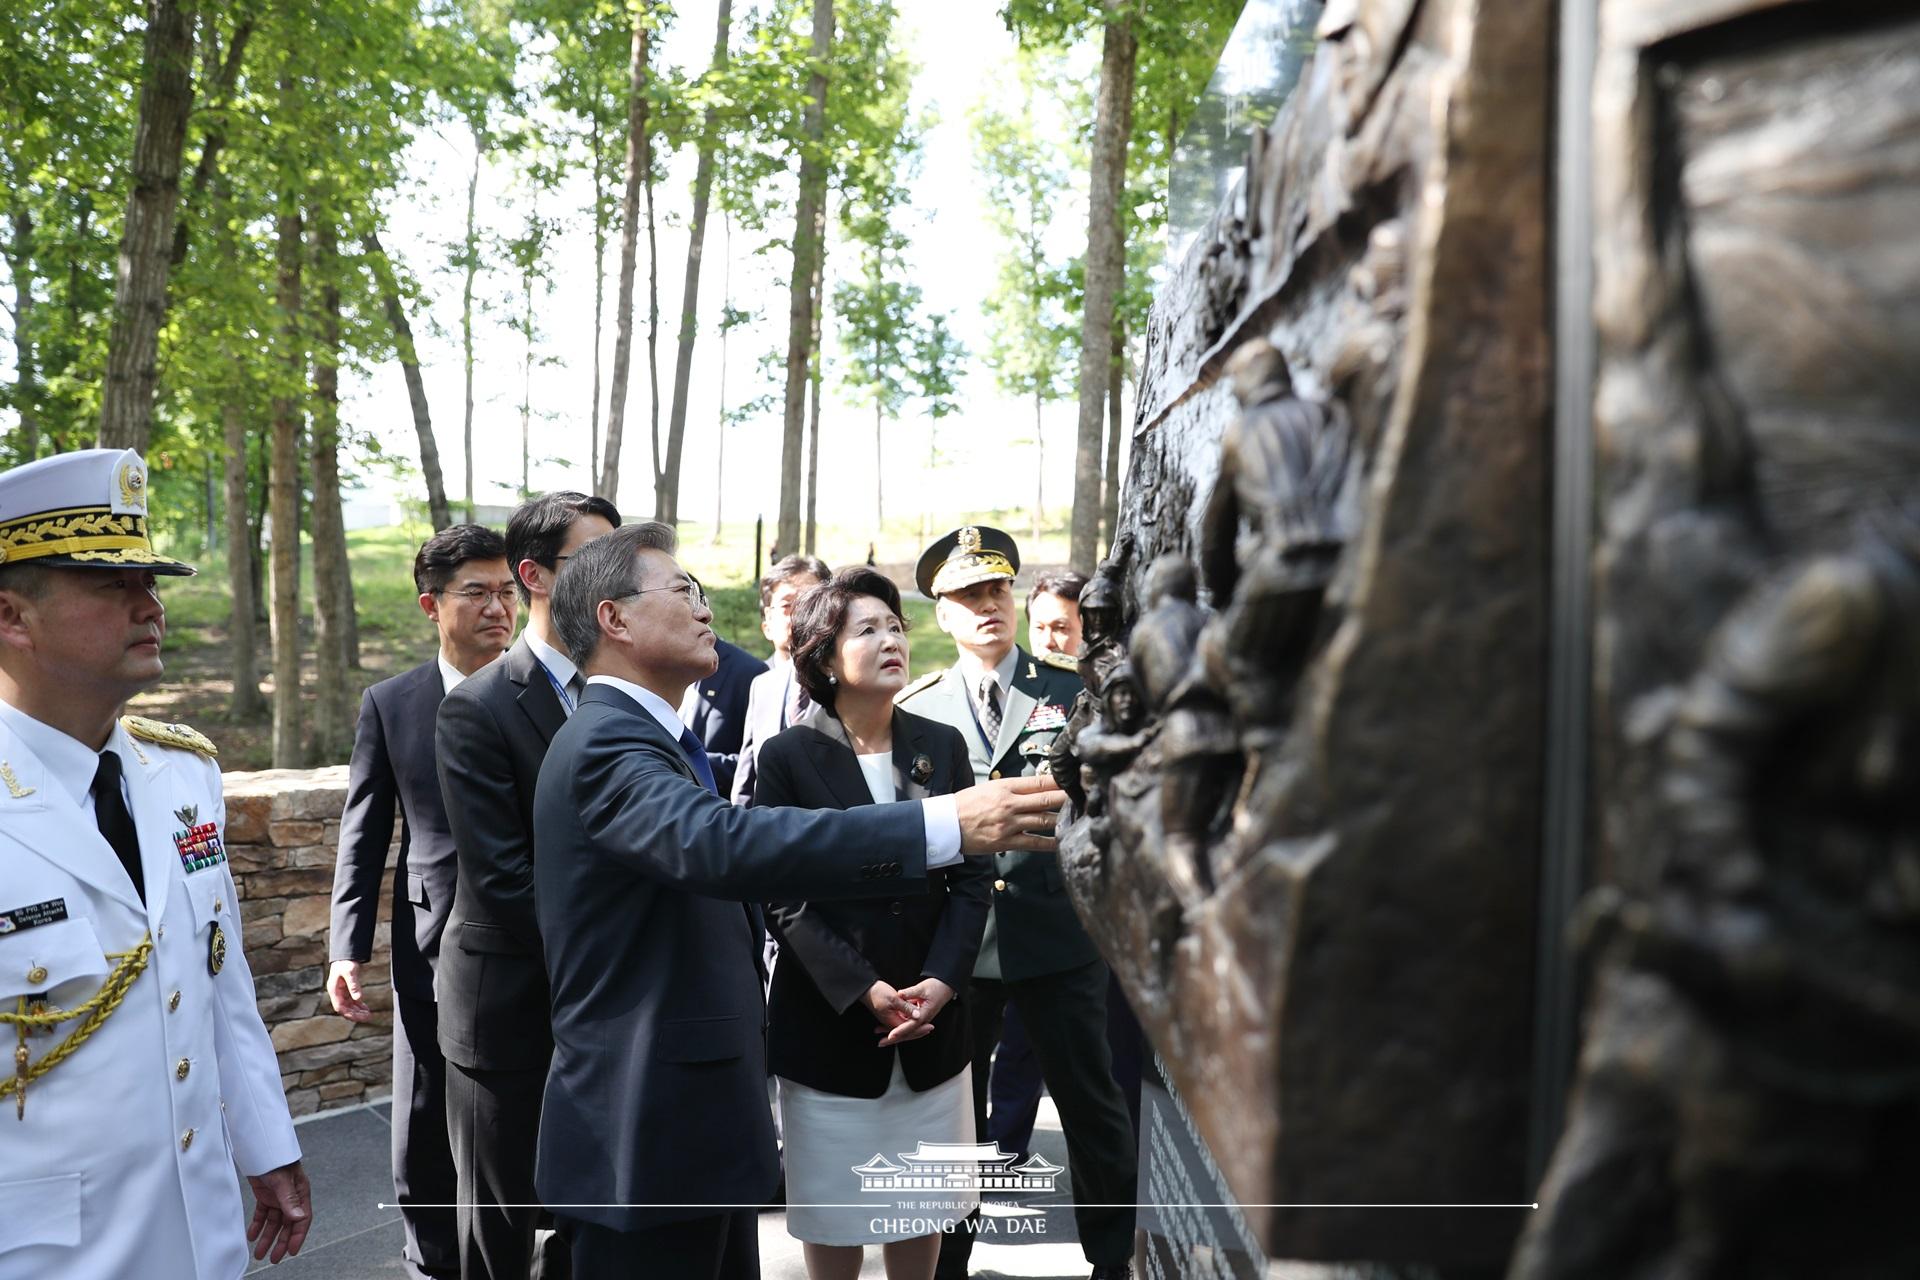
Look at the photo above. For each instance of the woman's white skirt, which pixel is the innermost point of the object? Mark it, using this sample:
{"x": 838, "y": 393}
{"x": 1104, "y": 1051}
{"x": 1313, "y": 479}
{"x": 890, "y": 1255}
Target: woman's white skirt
{"x": 829, "y": 1137}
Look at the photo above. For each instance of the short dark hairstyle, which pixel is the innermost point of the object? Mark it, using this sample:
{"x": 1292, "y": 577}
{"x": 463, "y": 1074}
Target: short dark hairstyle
{"x": 1065, "y": 583}
{"x": 818, "y": 616}
{"x": 29, "y": 579}
{"x": 538, "y": 529}
{"x": 605, "y": 569}
{"x": 786, "y": 569}
{"x": 447, "y": 550}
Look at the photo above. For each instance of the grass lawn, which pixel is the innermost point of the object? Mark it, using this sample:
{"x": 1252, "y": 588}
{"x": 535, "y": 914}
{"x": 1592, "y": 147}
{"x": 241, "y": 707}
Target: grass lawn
{"x": 395, "y": 635}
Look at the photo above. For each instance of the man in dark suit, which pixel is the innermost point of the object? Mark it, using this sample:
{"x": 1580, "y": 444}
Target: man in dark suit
{"x": 655, "y": 1108}
{"x": 1009, "y": 706}
{"x": 491, "y": 736}
{"x": 467, "y": 589}
{"x": 716, "y": 709}
{"x": 775, "y": 699}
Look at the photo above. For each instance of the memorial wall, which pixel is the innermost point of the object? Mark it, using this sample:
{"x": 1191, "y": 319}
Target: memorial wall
{"x": 1512, "y": 635}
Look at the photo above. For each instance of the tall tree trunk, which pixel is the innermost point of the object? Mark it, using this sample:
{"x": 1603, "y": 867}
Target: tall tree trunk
{"x": 1110, "y": 490}
{"x": 26, "y": 396}
{"x": 332, "y": 587}
{"x": 526, "y": 362}
{"x": 219, "y": 94}
{"x": 246, "y": 702}
{"x": 926, "y": 485}
{"x": 209, "y": 521}
{"x": 437, "y": 509}
{"x": 720, "y": 425}
{"x": 879, "y": 478}
{"x": 1039, "y": 467}
{"x": 599, "y": 299}
{"x": 140, "y": 283}
{"x": 802, "y": 299}
{"x": 668, "y": 501}
{"x": 472, "y": 256}
{"x": 637, "y": 151}
{"x": 283, "y": 487}
{"x": 260, "y": 483}
{"x": 817, "y": 373}
{"x": 653, "y": 331}
{"x": 1106, "y": 262}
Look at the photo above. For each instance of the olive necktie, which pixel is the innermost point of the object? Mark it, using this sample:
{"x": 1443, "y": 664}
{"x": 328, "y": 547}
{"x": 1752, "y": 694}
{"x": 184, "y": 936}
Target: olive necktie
{"x": 990, "y": 707}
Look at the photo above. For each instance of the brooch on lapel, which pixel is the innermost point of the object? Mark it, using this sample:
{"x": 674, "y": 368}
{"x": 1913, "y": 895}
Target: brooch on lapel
{"x": 199, "y": 844}
{"x": 922, "y": 770}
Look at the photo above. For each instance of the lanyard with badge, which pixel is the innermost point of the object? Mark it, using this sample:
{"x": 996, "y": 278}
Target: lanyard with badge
{"x": 559, "y": 690}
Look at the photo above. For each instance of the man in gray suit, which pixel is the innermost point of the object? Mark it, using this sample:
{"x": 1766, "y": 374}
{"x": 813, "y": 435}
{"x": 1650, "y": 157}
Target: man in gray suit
{"x": 655, "y": 1111}
{"x": 1009, "y": 706}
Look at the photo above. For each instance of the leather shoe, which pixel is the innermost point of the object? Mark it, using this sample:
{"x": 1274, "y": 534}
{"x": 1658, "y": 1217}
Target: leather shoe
{"x": 1112, "y": 1271}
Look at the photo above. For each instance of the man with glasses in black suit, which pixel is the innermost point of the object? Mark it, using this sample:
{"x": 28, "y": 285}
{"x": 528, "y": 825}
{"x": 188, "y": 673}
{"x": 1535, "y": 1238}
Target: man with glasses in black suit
{"x": 467, "y": 590}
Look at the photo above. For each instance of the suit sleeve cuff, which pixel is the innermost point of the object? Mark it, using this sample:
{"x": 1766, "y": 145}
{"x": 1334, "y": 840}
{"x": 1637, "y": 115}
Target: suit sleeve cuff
{"x": 942, "y": 816}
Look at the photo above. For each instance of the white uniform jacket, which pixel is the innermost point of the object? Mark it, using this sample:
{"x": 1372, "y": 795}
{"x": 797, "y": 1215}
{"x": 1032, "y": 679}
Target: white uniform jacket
{"x": 123, "y": 1163}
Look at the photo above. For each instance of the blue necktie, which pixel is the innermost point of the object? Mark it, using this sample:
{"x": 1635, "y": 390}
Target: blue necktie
{"x": 697, "y": 757}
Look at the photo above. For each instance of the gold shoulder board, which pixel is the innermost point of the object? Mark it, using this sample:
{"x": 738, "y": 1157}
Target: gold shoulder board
{"x": 1061, "y": 661}
{"x": 185, "y": 737}
{"x": 924, "y": 682}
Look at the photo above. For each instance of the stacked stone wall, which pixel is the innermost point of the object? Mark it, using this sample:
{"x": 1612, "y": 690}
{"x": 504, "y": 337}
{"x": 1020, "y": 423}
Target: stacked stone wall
{"x": 283, "y": 831}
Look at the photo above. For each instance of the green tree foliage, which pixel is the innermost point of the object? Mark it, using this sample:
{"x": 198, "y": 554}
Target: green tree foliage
{"x": 1155, "y": 60}
{"x": 938, "y": 358}
{"x": 1033, "y": 335}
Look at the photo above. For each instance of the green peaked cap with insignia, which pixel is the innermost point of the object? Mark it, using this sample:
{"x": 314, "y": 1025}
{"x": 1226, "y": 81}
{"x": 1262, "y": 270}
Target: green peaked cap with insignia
{"x": 972, "y": 553}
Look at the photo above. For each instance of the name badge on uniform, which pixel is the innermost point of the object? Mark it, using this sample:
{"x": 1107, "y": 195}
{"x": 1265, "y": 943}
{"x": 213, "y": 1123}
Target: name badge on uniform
{"x": 199, "y": 844}
{"x": 49, "y": 912}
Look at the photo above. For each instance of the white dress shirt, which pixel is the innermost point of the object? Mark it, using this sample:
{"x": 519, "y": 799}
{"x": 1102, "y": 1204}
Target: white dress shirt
{"x": 939, "y": 814}
{"x": 70, "y": 760}
{"x": 558, "y": 664}
{"x": 449, "y": 675}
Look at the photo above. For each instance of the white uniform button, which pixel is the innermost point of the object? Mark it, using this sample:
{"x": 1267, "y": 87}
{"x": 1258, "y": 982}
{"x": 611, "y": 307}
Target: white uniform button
{"x": 37, "y": 974}
{"x": 180, "y": 1072}
{"x": 173, "y": 1002}
{"x": 217, "y": 906}
{"x": 161, "y": 933}
{"x": 186, "y": 1140}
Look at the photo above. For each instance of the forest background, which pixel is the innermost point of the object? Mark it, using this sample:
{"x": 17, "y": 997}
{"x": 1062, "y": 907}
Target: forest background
{"x": 863, "y": 269}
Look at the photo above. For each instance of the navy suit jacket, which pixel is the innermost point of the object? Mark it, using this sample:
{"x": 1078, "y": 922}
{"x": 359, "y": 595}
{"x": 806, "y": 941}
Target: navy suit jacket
{"x": 657, "y": 1096}
{"x": 717, "y": 710}
{"x": 393, "y": 763}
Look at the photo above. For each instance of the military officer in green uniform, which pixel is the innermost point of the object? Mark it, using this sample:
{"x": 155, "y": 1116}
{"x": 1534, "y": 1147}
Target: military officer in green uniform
{"x": 1009, "y": 705}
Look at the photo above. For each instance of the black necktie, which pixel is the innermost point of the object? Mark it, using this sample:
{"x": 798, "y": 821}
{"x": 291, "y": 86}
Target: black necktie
{"x": 116, "y": 824}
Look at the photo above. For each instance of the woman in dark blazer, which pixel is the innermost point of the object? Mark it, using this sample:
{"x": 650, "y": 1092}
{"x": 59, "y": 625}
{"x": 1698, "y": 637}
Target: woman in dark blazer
{"x": 870, "y": 1049}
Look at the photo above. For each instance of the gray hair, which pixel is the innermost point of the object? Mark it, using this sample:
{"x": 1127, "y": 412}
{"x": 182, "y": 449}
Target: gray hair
{"x": 606, "y": 568}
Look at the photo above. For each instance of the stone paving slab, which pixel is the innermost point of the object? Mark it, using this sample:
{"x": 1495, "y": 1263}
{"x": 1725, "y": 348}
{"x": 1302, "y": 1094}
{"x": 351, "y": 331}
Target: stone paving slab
{"x": 349, "y": 1164}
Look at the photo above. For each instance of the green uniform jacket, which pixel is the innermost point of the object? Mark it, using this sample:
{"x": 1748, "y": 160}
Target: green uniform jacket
{"x": 1033, "y": 929}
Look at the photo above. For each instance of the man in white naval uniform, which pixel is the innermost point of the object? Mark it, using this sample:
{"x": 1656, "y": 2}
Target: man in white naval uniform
{"x": 135, "y": 1073}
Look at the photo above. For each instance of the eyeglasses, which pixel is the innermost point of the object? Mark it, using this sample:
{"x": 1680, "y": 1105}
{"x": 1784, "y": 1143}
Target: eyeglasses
{"x": 695, "y": 597}
{"x": 480, "y": 595}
